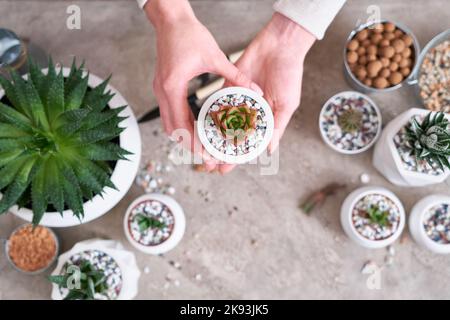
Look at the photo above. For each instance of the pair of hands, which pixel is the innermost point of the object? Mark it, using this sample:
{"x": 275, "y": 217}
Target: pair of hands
{"x": 272, "y": 65}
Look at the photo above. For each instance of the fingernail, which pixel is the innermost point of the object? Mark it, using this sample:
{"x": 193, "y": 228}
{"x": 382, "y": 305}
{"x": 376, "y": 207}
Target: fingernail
{"x": 256, "y": 88}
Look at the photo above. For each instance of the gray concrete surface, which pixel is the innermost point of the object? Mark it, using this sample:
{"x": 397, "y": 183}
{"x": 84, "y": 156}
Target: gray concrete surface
{"x": 266, "y": 248}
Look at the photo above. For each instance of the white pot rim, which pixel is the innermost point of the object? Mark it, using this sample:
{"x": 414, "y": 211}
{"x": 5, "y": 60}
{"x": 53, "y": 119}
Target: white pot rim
{"x": 422, "y": 207}
{"x": 347, "y": 94}
{"x": 406, "y": 117}
{"x": 178, "y": 230}
{"x": 232, "y": 159}
{"x": 122, "y": 175}
{"x": 359, "y": 193}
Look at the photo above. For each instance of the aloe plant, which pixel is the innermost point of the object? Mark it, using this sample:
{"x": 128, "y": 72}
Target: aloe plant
{"x": 56, "y": 140}
{"x": 83, "y": 281}
{"x": 430, "y": 139}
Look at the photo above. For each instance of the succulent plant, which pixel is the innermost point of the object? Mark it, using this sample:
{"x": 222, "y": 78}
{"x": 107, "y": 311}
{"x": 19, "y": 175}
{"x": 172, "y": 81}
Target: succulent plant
{"x": 430, "y": 139}
{"x": 83, "y": 281}
{"x": 235, "y": 122}
{"x": 350, "y": 120}
{"x": 378, "y": 216}
{"x": 146, "y": 222}
{"x": 56, "y": 140}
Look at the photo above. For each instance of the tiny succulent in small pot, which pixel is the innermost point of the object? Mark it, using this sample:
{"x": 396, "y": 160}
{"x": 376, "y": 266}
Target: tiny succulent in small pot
{"x": 414, "y": 148}
{"x": 378, "y": 216}
{"x": 235, "y": 122}
{"x": 56, "y": 139}
{"x": 91, "y": 281}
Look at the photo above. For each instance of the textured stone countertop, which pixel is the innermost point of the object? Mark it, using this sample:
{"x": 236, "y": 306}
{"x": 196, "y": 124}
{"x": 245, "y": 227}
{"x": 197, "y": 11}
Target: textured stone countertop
{"x": 245, "y": 235}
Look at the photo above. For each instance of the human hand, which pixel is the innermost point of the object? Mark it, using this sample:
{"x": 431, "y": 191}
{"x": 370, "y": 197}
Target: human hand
{"x": 185, "y": 49}
{"x": 274, "y": 60}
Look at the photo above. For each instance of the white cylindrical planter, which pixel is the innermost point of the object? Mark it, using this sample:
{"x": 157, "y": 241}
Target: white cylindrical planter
{"x": 417, "y": 221}
{"x": 388, "y": 161}
{"x": 221, "y": 148}
{"x": 124, "y": 259}
{"x": 122, "y": 176}
{"x": 153, "y": 240}
{"x": 348, "y": 224}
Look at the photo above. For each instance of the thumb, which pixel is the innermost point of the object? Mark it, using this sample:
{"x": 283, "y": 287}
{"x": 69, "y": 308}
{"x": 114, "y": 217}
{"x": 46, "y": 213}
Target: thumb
{"x": 235, "y": 76}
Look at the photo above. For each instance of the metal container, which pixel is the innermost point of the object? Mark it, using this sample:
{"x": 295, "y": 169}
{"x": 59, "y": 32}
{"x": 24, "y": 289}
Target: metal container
{"x": 358, "y": 85}
{"x": 6, "y": 246}
{"x": 441, "y": 37}
{"x": 13, "y": 51}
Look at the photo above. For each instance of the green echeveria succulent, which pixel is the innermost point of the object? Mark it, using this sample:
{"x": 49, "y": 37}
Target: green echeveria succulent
{"x": 430, "y": 139}
{"x": 90, "y": 281}
{"x": 56, "y": 140}
{"x": 235, "y": 122}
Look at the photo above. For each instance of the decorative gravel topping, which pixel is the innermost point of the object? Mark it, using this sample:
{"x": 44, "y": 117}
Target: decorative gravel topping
{"x": 350, "y": 122}
{"x": 434, "y": 79}
{"x": 437, "y": 223}
{"x": 151, "y": 223}
{"x": 376, "y": 217}
{"x": 227, "y": 146}
{"x": 409, "y": 160}
{"x": 103, "y": 262}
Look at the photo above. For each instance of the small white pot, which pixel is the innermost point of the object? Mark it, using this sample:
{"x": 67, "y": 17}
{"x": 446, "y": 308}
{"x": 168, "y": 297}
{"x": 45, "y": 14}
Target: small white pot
{"x": 416, "y": 220}
{"x": 122, "y": 176}
{"x": 347, "y": 95}
{"x": 348, "y": 226}
{"x": 388, "y": 161}
{"x": 243, "y": 158}
{"x": 124, "y": 259}
{"x": 177, "y": 232}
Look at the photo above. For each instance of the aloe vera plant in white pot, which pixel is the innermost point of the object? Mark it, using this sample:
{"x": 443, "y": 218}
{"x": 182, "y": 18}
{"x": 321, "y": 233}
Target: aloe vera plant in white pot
{"x": 69, "y": 145}
{"x": 413, "y": 149}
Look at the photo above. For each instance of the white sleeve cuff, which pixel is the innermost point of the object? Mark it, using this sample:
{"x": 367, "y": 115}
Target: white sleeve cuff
{"x": 141, "y": 3}
{"x": 313, "y": 15}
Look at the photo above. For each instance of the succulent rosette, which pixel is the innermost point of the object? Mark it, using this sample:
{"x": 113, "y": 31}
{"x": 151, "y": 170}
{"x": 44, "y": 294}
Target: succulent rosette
{"x": 235, "y": 122}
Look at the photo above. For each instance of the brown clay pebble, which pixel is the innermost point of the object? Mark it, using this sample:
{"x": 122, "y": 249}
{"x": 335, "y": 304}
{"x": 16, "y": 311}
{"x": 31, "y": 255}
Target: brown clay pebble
{"x": 395, "y": 78}
{"x": 360, "y": 51}
{"x": 385, "y": 43}
{"x": 352, "y": 66}
{"x": 389, "y": 35}
{"x": 362, "y": 60}
{"x": 353, "y": 45}
{"x": 376, "y": 38}
{"x": 388, "y": 52}
{"x": 366, "y": 43}
{"x": 380, "y": 83}
{"x": 405, "y": 71}
{"x": 407, "y": 39}
{"x": 361, "y": 73}
{"x": 385, "y": 62}
{"x": 362, "y": 35}
{"x": 397, "y": 57}
{"x": 373, "y": 68}
{"x": 352, "y": 57}
{"x": 368, "y": 82}
{"x": 398, "y": 45}
{"x": 389, "y": 27}
{"x": 372, "y": 49}
{"x": 407, "y": 53}
{"x": 398, "y": 33}
{"x": 378, "y": 28}
{"x": 385, "y": 73}
{"x": 404, "y": 63}
{"x": 393, "y": 66}
{"x": 371, "y": 57}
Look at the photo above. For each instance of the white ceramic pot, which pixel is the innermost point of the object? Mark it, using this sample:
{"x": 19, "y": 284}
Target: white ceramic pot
{"x": 388, "y": 161}
{"x": 349, "y": 95}
{"x": 125, "y": 260}
{"x": 178, "y": 228}
{"x": 416, "y": 223}
{"x": 347, "y": 223}
{"x": 202, "y": 123}
{"x": 122, "y": 176}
